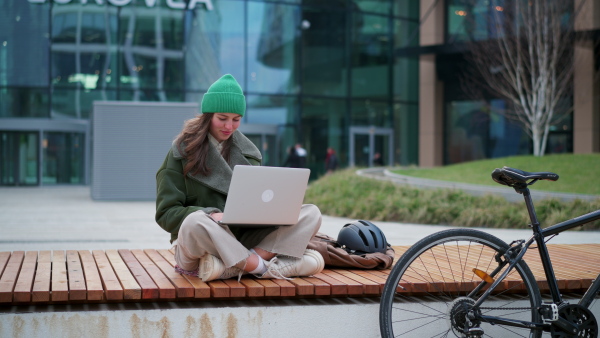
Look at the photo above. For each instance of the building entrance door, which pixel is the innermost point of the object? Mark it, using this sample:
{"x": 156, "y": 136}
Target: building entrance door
{"x": 371, "y": 146}
{"x": 20, "y": 154}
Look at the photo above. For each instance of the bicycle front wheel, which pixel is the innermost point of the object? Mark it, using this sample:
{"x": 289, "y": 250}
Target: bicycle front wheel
{"x": 431, "y": 288}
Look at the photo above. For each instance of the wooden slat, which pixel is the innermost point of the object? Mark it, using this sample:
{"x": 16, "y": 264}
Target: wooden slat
{"x": 22, "y": 292}
{"x": 338, "y": 288}
{"x": 183, "y": 287}
{"x": 271, "y": 289}
{"x": 321, "y": 288}
{"x": 254, "y": 289}
{"x": 303, "y": 288}
{"x": 353, "y": 287}
{"x": 4, "y": 257}
{"x": 218, "y": 289}
{"x": 370, "y": 287}
{"x": 43, "y": 274}
{"x": 10, "y": 275}
{"x": 131, "y": 289}
{"x": 60, "y": 283}
{"x": 286, "y": 289}
{"x": 77, "y": 288}
{"x": 201, "y": 289}
{"x": 236, "y": 289}
{"x": 149, "y": 288}
{"x": 166, "y": 289}
{"x": 112, "y": 288}
{"x": 93, "y": 282}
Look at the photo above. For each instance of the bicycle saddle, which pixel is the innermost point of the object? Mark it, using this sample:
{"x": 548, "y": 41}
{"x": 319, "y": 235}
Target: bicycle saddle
{"x": 513, "y": 177}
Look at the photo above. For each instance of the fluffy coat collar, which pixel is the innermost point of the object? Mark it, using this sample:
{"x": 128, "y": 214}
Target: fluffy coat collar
{"x": 242, "y": 150}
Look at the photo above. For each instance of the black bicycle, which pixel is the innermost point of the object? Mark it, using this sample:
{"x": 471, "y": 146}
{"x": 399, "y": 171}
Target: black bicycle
{"x": 468, "y": 283}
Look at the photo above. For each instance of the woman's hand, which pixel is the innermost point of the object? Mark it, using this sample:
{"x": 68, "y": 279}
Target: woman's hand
{"x": 217, "y": 216}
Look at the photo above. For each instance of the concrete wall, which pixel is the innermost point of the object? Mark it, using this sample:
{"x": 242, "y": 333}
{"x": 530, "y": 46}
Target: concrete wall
{"x": 130, "y": 142}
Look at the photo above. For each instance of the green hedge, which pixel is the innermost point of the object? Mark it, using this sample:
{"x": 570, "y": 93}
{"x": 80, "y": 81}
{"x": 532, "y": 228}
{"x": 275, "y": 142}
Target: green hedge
{"x": 345, "y": 194}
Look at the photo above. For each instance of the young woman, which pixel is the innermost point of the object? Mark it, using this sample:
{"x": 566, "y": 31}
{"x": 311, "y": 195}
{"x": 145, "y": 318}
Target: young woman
{"x": 192, "y": 186}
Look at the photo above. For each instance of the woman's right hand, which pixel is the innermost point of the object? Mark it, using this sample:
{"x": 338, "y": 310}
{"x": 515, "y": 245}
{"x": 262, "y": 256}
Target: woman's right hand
{"x": 217, "y": 216}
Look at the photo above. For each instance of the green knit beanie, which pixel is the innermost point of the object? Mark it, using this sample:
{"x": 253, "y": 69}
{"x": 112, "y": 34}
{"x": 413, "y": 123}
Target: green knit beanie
{"x": 224, "y": 96}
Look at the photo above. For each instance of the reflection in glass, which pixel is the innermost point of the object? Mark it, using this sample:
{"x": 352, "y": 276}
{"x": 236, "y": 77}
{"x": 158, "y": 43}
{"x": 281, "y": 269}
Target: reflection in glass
{"x": 323, "y": 125}
{"x": 370, "y": 113}
{"x": 19, "y": 153}
{"x": 214, "y": 43}
{"x": 370, "y": 56}
{"x": 63, "y": 158}
{"x": 278, "y": 110}
{"x": 324, "y": 63}
{"x": 23, "y": 102}
{"x": 272, "y": 48}
{"x": 474, "y": 132}
{"x": 406, "y": 133}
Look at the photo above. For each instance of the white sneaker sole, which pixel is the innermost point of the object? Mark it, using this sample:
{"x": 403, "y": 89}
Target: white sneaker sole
{"x": 210, "y": 268}
{"x": 318, "y": 257}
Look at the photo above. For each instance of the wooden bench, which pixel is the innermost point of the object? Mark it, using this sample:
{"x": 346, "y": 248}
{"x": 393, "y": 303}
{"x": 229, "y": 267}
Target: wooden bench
{"x": 65, "y": 277}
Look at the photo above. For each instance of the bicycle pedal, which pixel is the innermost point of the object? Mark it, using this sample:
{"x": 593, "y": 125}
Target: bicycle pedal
{"x": 549, "y": 312}
{"x": 475, "y": 332}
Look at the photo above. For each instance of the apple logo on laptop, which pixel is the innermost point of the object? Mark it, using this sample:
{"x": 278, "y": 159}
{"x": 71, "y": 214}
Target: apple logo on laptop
{"x": 267, "y": 195}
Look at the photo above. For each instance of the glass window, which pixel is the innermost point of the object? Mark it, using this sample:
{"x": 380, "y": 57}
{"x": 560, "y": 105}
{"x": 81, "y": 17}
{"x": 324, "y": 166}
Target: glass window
{"x": 406, "y": 79}
{"x": 23, "y": 26}
{"x": 19, "y": 154}
{"x": 323, "y": 126}
{"x": 77, "y": 103}
{"x": 278, "y": 110}
{"x": 369, "y": 112}
{"x": 272, "y": 48}
{"x": 214, "y": 45}
{"x": 151, "y": 57}
{"x": 63, "y": 158}
{"x": 370, "y": 56}
{"x": 407, "y": 9}
{"x": 24, "y": 102}
{"x": 474, "y": 132}
{"x": 406, "y": 133}
{"x": 372, "y": 6}
{"x": 323, "y": 45}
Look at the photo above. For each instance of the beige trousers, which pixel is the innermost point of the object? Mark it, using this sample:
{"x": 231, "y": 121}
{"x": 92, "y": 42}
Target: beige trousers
{"x": 200, "y": 235}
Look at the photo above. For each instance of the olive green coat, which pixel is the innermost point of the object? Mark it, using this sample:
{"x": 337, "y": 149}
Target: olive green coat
{"x": 178, "y": 196}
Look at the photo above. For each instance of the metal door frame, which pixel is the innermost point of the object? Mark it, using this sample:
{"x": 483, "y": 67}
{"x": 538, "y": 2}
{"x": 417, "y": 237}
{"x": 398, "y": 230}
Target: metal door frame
{"x": 372, "y": 131}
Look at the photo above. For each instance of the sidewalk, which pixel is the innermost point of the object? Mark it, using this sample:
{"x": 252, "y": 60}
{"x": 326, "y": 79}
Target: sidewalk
{"x": 61, "y": 218}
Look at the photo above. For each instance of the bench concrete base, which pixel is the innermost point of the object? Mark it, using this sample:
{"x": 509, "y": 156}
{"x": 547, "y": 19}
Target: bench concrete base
{"x": 339, "y": 317}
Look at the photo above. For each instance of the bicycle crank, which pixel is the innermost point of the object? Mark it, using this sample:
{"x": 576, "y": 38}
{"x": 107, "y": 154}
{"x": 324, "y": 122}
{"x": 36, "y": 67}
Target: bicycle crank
{"x": 575, "y": 321}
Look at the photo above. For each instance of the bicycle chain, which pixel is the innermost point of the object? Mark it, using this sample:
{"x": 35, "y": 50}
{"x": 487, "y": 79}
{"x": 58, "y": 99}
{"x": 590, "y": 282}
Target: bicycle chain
{"x": 505, "y": 308}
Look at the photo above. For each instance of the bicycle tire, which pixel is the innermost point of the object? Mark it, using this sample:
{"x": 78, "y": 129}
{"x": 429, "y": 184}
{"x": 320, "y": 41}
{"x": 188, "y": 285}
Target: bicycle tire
{"x": 423, "y": 305}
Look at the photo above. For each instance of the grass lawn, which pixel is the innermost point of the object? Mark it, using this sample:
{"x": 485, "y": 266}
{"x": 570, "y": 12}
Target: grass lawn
{"x": 578, "y": 172}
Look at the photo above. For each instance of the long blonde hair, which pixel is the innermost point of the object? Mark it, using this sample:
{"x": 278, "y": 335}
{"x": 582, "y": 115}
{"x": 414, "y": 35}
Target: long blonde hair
{"x": 193, "y": 143}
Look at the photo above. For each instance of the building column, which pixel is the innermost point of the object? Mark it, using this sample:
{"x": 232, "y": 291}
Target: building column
{"x": 431, "y": 111}
{"x": 431, "y": 90}
{"x": 586, "y": 91}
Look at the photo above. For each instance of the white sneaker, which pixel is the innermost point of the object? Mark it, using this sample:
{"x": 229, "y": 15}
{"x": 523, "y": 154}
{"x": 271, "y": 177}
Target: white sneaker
{"x": 212, "y": 267}
{"x": 283, "y": 267}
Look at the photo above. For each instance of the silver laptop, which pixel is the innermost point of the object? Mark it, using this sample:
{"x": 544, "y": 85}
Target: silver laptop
{"x": 265, "y": 196}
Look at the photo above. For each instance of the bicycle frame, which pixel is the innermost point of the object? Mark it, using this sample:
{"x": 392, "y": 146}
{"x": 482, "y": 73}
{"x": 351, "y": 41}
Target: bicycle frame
{"x": 538, "y": 237}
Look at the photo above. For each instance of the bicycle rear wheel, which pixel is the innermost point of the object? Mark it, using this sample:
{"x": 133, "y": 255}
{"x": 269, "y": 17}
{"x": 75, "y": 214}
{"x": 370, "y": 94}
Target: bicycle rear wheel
{"x": 426, "y": 292}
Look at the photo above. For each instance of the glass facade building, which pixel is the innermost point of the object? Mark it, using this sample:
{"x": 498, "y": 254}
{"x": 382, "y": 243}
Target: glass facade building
{"x": 311, "y": 70}
{"x": 360, "y": 76}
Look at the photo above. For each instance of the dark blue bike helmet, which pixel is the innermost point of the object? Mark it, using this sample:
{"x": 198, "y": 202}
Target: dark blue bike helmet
{"x": 362, "y": 237}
